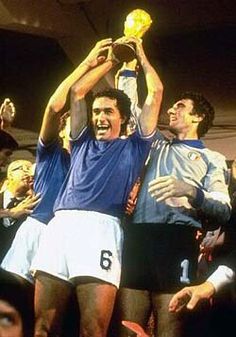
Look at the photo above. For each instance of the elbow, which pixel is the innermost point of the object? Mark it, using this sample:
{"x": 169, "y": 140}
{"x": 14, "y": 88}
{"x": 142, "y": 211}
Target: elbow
{"x": 55, "y": 106}
{"x": 156, "y": 90}
{"x": 156, "y": 94}
{"x": 77, "y": 92}
{"x": 159, "y": 89}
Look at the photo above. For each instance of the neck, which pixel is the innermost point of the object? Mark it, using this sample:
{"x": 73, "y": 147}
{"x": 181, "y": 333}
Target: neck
{"x": 187, "y": 134}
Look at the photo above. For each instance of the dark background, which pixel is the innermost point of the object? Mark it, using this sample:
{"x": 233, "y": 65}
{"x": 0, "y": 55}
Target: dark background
{"x": 191, "y": 43}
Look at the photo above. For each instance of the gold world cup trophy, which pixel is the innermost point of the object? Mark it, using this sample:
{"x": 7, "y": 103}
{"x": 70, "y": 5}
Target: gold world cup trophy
{"x": 136, "y": 24}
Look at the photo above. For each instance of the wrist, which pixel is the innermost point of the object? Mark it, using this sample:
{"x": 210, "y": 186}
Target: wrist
{"x": 113, "y": 59}
{"x": 211, "y": 290}
{"x": 196, "y": 197}
{"x": 6, "y": 213}
{"x": 86, "y": 64}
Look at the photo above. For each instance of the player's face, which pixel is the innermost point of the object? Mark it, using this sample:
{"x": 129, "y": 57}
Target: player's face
{"x": 10, "y": 321}
{"x": 106, "y": 118}
{"x": 181, "y": 116}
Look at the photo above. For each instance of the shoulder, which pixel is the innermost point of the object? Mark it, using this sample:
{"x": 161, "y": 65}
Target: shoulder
{"x": 215, "y": 157}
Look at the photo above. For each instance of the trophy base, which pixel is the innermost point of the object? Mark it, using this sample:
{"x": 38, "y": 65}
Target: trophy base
{"x": 124, "y": 52}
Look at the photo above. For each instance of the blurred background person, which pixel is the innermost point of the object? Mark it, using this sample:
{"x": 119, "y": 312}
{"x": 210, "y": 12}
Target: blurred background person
{"x": 7, "y": 113}
{"x": 16, "y": 318}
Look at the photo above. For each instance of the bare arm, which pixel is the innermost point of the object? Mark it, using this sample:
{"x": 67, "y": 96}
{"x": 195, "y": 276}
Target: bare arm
{"x": 148, "y": 117}
{"x": 51, "y": 121}
{"x": 78, "y": 116}
{"x": 80, "y": 89}
{"x": 150, "y": 112}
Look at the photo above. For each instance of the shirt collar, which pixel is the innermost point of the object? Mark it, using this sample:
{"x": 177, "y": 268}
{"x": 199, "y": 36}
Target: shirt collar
{"x": 197, "y": 143}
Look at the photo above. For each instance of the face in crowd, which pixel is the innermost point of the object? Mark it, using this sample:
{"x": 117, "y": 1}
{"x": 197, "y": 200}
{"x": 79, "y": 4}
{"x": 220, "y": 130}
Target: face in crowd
{"x": 20, "y": 176}
{"x": 10, "y": 321}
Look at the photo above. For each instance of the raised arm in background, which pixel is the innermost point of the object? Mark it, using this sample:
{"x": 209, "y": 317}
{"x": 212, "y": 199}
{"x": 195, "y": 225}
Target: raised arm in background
{"x": 51, "y": 121}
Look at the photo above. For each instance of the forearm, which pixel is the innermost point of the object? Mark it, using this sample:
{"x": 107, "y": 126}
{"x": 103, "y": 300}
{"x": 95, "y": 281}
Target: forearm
{"x": 87, "y": 82}
{"x": 215, "y": 203}
{"x": 58, "y": 99}
{"x": 78, "y": 117}
{"x": 216, "y": 206}
{"x": 150, "y": 111}
{"x": 5, "y": 213}
{"x": 8, "y": 213}
{"x": 153, "y": 81}
{"x": 52, "y": 116}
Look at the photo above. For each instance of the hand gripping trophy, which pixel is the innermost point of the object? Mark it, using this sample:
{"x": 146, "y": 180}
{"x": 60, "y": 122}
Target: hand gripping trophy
{"x": 136, "y": 24}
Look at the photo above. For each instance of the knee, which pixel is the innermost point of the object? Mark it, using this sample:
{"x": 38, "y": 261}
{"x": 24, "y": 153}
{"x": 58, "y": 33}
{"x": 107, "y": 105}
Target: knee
{"x": 93, "y": 329}
{"x": 44, "y": 331}
{"x": 45, "y": 327}
{"x": 41, "y": 331}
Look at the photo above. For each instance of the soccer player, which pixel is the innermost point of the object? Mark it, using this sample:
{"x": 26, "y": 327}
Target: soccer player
{"x": 184, "y": 185}
{"x": 82, "y": 244}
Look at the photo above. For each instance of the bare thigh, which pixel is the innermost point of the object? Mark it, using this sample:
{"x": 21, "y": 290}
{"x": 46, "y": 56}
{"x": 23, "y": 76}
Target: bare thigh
{"x": 131, "y": 305}
{"x": 96, "y": 302}
{"x": 51, "y": 299}
{"x": 166, "y": 324}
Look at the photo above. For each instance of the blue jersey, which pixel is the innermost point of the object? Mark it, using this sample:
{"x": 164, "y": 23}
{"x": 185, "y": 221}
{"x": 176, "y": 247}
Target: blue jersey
{"x": 102, "y": 173}
{"x": 52, "y": 165}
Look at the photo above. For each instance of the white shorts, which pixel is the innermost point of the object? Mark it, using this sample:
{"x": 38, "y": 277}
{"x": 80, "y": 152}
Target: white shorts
{"x": 81, "y": 243}
{"x": 23, "y": 249}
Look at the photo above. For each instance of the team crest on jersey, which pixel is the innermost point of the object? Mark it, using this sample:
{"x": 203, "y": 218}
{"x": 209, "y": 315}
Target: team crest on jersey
{"x": 193, "y": 155}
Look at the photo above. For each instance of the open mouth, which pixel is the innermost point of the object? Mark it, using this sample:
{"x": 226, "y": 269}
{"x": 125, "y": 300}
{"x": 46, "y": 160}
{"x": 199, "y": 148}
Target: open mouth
{"x": 102, "y": 128}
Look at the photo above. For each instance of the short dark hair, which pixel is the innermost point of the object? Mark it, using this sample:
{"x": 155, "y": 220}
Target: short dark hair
{"x": 203, "y": 108}
{"x": 123, "y": 104}
{"x": 16, "y": 294}
{"x": 7, "y": 141}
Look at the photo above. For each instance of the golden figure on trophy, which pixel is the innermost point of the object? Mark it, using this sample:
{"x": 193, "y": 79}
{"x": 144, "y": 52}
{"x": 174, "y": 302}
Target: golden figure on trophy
{"x": 136, "y": 24}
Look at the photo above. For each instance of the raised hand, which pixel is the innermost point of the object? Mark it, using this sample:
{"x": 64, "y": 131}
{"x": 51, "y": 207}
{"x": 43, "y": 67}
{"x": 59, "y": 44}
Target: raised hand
{"x": 25, "y": 207}
{"x": 99, "y": 53}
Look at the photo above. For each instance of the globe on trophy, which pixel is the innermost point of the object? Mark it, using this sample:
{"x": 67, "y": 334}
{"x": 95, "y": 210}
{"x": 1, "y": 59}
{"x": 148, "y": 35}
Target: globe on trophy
{"x": 136, "y": 24}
